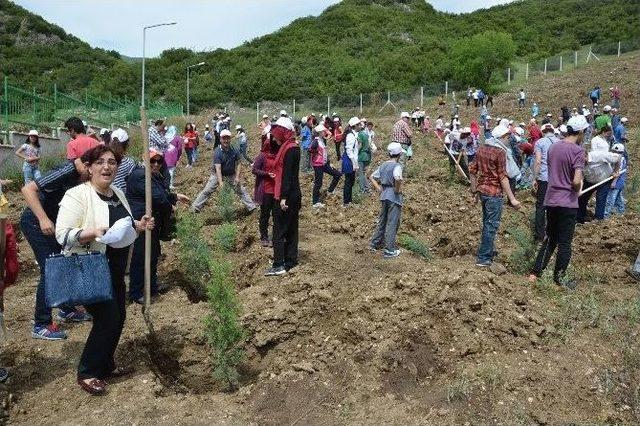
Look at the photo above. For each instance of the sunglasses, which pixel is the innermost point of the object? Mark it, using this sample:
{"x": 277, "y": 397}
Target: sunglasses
{"x": 155, "y": 161}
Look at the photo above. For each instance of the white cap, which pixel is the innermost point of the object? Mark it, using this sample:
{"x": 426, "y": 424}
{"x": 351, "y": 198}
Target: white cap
{"x": 549, "y": 114}
{"x": 363, "y": 120}
{"x": 266, "y": 129}
{"x": 238, "y": 127}
{"x": 577, "y": 123}
{"x": 405, "y": 115}
{"x": 455, "y": 116}
{"x": 334, "y": 114}
{"x": 624, "y": 119}
{"x": 519, "y": 131}
{"x": 120, "y": 134}
{"x": 607, "y": 108}
{"x": 499, "y": 131}
{"x": 304, "y": 119}
{"x": 465, "y": 130}
{"x": 283, "y": 113}
{"x": 394, "y": 148}
{"x": 617, "y": 147}
{"x": 354, "y": 121}
{"x": 563, "y": 128}
{"x": 447, "y": 124}
{"x": 521, "y": 124}
{"x": 489, "y": 117}
{"x": 336, "y": 119}
{"x": 510, "y": 121}
{"x": 226, "y": 133}
{"x": 33, "y": 133}
{"x": 548, "y": 126}
{"x": 285, "y": 122}
{"x": 227, "y": 119}
{"x": 265, "y": 116}
{"x": 104, "y": 131}
{"x": 320, "y": 128}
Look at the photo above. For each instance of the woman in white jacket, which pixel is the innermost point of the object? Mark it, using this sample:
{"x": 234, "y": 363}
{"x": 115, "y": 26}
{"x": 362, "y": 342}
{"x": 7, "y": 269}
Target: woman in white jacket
{"x": 86, "y": 212}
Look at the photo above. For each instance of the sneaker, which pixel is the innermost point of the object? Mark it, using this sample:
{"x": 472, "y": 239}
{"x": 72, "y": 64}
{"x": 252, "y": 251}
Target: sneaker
{"x": 390, "y": 254}
{"x": 275, "y": 271}
{"x": 73, "y": 316}
{"x": 483, "y": 264}
{"x": 318, "y": 206}
{"x": 633, "y": 274}
{"x": 373, "y": 248}
{"x": 48, "y": 332}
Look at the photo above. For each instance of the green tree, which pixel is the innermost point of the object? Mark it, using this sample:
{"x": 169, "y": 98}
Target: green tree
{"x": 475, "y": 59}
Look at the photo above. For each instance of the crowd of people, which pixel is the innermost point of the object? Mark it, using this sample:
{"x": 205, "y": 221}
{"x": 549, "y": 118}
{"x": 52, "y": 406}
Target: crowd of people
{"x": 563, "y": 161}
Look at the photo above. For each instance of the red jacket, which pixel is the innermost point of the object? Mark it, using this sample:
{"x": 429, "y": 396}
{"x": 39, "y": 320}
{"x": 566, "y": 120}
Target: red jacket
{"x": 10, "y": 260}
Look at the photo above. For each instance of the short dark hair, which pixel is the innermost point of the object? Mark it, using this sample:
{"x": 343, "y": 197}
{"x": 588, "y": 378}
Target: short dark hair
{"x": 92, "y": 155}
{"x": 158, "y": 122}
{"x": 75, "y": 124}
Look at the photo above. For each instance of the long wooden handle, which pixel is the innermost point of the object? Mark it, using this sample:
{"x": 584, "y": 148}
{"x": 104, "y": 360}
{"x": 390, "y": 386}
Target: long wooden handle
{"x": 3, "y": 249}
{"x": 147, "y": 202}
{"x": 458, "y": 167}
{"x": 584, "y": 191}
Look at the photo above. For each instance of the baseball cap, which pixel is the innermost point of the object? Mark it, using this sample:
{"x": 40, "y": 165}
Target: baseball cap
{"x": 283, "y": 113}
{"x": 104, "y": 131}
{"x": 336, "y": 119}
{"x": 548, "y": 126}
{"x": 120, "y": 134}
{"x": 225, "y": 133}
{"x": 354, "y": 121}
{"x": 499, "y": 131}
{"x": 624, "y": 119}
{"x": 320, "y": 128}
{"x": 405, "y": 115}
{"x": 607, "y": 108}
{"x": 489, "y": 117}
{"x": 617, "y": 147}
{"x": 519, "y": 131}
{"x": 394, "y": 148}
{"x": 285, "y": 122}
{"x": 265, "y": 116}
{"x": 304, "y": 119}
{"x": 465, "y": 130}
{"x": 577, "y": 123}
{"x": 563, "y": 128}
{"x": 33, "y": 133}
{"x": 238, "y": 127}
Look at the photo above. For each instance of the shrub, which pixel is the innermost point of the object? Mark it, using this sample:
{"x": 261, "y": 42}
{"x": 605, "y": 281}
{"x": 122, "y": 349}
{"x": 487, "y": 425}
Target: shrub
{"x": 193, "y": 252}
{"x": 225, "y": 204}
{"x": 521, "y": 260}
{"x": 223, "y": 331}
{"x": 225, "y": 236}
{"x": 415, "y": 245}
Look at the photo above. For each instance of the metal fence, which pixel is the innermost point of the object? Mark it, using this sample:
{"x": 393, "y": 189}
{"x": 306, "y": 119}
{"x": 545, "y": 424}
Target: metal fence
{"x": 445, "y": 94}
{"x": 23, "y": 109}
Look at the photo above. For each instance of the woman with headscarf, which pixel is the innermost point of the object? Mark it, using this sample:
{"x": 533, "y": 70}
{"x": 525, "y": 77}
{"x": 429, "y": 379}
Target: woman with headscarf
{"x": 163, "y": 202}
{"x": 264, "y": 170}
{"x": 288, "y": 198}
{"x": 173, "y": 153}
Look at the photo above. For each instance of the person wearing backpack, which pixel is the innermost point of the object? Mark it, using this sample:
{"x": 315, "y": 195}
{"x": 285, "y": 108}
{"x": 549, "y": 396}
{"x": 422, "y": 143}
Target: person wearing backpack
{"x": 489, "y": 183}
{"x": 364, "y": 159}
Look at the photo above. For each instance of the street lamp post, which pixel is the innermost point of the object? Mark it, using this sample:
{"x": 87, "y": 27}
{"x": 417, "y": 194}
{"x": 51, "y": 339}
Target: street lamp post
{"x": 144, "y": 46}
{"x": 188, "y": 69}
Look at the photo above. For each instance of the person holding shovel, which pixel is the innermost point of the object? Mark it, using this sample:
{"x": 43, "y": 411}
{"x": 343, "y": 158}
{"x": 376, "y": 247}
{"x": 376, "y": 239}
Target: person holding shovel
{"x": 565, "y": 164}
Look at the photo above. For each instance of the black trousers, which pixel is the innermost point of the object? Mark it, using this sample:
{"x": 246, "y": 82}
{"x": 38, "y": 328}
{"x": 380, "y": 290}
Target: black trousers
{"x": 266, "y": 210}
{"x": 541, "y": 211}
{"x": 347, "y": 190}
{"x": 97, "y": 358}
{"x": 561, "y": 224}
{"x": 285, "y": 236}
{"x": 136, "y": 270}
{"x": 318, "y": 177}
{"x": 338, "y": 155}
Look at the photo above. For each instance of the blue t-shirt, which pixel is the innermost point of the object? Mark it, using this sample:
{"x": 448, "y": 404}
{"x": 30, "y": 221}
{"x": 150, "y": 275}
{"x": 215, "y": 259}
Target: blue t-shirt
{"x": 227, "y": 158}
{"x": 542, "y": 146}
{"x": 305, "y": 135}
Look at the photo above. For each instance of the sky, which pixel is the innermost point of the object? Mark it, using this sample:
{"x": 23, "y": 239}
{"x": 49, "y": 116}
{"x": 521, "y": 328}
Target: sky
{"x": 202, "y": 24}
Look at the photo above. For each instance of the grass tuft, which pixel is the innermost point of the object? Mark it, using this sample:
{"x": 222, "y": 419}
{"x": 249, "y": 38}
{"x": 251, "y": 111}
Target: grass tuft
{"x": 415, "y": 245}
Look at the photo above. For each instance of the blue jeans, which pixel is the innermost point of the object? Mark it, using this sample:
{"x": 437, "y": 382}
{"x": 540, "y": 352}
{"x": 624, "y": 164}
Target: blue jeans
{"x": 615, "y": 202}
{"x": 42, "y": 246}
{"x": 30, "y": 172}
{"x": 491, "y": 213}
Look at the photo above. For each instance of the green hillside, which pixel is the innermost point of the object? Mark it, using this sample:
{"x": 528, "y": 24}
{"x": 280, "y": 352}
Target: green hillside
{"x": 352, "y": 47}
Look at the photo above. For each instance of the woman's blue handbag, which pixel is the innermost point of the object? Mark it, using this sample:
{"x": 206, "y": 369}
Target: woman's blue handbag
{"x": 347, "y": 165}
{"x": 76, "y": 279}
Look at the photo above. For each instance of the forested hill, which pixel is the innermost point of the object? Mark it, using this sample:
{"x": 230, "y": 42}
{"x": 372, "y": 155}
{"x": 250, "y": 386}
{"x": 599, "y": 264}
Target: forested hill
{"x": 354, "y": 46}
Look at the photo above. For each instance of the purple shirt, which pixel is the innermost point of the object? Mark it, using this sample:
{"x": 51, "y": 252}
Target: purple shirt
{"x": 564, "y": 159}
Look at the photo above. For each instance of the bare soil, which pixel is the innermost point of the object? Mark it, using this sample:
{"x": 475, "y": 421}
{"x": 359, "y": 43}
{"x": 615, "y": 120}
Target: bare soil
{"x": 351, "y": 338}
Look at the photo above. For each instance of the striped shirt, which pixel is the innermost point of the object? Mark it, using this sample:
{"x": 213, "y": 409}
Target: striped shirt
{"x": 53, "y": 186}
{"x": 124, "y": 170}
{"x": 157, "y": 141}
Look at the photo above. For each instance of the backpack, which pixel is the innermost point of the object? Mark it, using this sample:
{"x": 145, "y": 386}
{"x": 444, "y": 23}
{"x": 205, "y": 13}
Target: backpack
{"x": 512, "y": 168}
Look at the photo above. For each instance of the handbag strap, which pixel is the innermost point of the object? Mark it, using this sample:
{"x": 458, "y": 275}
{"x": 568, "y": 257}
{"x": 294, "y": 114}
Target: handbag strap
{"x": 66, "y": 239}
